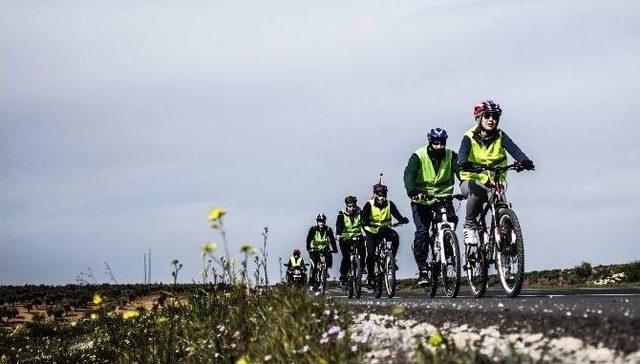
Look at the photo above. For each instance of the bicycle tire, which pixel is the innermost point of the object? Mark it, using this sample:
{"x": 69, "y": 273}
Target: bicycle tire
{"x": 357, "y": 282}
{"x": 390, "y": 275}
{"x": 450, "y": 284}
{"x": 379, "y": 278}
{"x": 476, "y": 269}
{"x": 508, "y": 219}
{"x": 323, "y": 286}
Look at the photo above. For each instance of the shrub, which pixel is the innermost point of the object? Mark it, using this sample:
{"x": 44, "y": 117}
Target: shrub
{"x": 583, "y": 271}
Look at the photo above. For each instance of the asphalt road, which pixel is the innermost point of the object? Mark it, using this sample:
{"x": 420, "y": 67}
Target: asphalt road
{"x": 598, "y": 316}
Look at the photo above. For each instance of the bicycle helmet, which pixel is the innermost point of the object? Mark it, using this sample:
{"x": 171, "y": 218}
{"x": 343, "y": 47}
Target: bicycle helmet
{"x": 486, "y": 106}
{"x": 380, "y": 189}
{"x": 296, "y": 253}
{"x": 437, "y": 134}
{"x": 350, "y": 199}
{"x": 321, "y": 217}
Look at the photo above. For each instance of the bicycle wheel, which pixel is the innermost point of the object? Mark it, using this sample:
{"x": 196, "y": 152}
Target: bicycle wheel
{"x": 390, "y": 274}
{"x": 323, "y": 276}
{"x": 432, "y": 270}
{"x": 451, "y": 266}
{"x": 476, "y": 270}
{"x": 511, "y": 256}
{"x": 356, "y": 277}
{"x": 379, "y": 277}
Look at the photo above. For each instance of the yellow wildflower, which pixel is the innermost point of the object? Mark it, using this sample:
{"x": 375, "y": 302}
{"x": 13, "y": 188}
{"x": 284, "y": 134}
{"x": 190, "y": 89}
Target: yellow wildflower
{"x": 435, "y": 339}
{"x": 94, "y": 316}
{"x": 97, "y": 299}
{"x": 216, "y": 213}
{"x": 209, "y": 247}
{"x": 161, "y": 320}
{"x": 323, "y": 361}
{"x": 130, "y": 314}
{"x": 247, "y": 248}
{"x": 398, "y": 310}
{"x": 243, "y": 360}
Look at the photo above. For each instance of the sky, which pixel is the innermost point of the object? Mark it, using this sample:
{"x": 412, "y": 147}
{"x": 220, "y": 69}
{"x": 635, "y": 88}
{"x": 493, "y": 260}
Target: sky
{"x": 123, "y": 123}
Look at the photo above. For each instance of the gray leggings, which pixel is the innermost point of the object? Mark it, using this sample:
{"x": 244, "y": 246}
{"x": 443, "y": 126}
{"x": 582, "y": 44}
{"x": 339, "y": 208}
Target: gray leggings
{"x": 477, "y": 194}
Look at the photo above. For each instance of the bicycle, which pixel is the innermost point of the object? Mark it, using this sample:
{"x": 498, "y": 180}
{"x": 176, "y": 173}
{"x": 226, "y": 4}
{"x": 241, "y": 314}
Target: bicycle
{"x": 502, "y": 244}
{"x": 320, "y": 273}
{"x": 354, "y": 280}
{"x": 385, "y": 268}
{"x": 444, "y": 253}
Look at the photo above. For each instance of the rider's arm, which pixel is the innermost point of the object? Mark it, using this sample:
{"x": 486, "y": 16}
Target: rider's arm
{"x": 410, "y": 172}
{"x": 513, "y": 149}
{"x": 339, "y": 224}
{"x": 310, "y": 236}
{"x": 396, "y": 213}
{"x": 332, "y": 239}
{"x": 365, "y": 214}
{"x": 454, "y": 164}
{"x": 463, "y": 152}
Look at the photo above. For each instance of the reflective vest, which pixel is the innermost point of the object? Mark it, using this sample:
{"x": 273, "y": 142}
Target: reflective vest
{"x": 492, "y": 155}
{"x": 380, "y": 217}
{"x": 295, "y": 263}
{"x": 352, "y": 226}
{"x": 434, "y": 183}
{"x": 320, "y": 240}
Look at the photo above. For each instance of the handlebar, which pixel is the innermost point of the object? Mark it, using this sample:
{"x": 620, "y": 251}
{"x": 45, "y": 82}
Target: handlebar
{"x": 495, "y": 169}
{"x": 457, "y": 196}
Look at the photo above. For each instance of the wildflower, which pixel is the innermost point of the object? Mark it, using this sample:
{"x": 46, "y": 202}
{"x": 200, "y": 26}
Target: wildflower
{"x": 161, "y": 320}
{"x": 97, "y": 299}
{"x": 130, "y": 314}
{"x": 216, "y": 214}
{"x": 19, "y": 330}
{"x": 398, "y": 310}
{"x": 435, "y": 339}
{"x": 243, "y": 360}
{"x": 248, "y": 249}
{"x": 304, "y": 349}
{"x": 323, "y": 361}
{"x": 209, "y": 247}
{"x": 267, "y": 357}
{"x": 94, "y": 316}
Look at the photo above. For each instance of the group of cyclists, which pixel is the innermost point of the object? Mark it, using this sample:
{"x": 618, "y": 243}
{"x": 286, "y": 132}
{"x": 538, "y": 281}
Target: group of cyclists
{"x": 429, "y": 177}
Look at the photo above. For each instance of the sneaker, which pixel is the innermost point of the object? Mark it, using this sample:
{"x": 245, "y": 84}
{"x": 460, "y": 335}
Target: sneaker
{"x": 471, "y": 236}
{"x": 423, "y": 279}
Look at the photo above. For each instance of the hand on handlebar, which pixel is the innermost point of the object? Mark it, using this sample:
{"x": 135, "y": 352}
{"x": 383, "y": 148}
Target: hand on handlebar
{"x": 404, "y": 220}
{"x": 526, "y": 165}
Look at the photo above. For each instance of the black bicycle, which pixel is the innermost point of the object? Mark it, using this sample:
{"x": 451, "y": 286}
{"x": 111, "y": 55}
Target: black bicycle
{"x": 354, "y": 279}
{"x": 385, "y": 268}
{"x": 444, "y": 252}
{"x": 320, "y": 273}
{"x": 501, "y": 243}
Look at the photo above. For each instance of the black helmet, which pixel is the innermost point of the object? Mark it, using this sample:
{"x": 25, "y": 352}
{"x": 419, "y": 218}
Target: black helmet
{"x": 380, "y": 189}
{"x": 350, "y": 199}
{"x": 296, "y": 252}
{"x": 321, "y": 217}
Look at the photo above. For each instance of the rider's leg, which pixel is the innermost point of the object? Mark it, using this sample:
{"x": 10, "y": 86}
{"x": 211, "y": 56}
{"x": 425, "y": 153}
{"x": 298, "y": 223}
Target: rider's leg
{"x": 314, "y": 257}
{"x": 393, "y": 237}
{"x": 477, "y": 195}
{"x": 371, "y": 242}
{"x": 421, "y": 240}
{"x": 344, "y": 263}
{"x": 329, "y": 258}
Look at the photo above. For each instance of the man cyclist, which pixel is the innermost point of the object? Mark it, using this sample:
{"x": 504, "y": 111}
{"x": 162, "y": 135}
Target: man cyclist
{"x": 376, "y": 220}
{"x": 319, "y": 238}
{"x": 430, "y": 171}
{"x": 484, "y": 144}
{"x": 296, "y": 261}
{"x": 349, "y": 231}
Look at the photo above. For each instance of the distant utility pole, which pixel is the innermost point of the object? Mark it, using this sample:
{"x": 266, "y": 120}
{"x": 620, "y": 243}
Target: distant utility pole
{"x": 280, "y": 267}
{"x": 147, "y": 267}
{"x": 265, "y": 235}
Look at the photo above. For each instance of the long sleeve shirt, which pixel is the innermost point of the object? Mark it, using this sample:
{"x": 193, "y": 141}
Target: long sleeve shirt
{"x": 415, "y": 164}
{"x": 340, "y": 220}
{"x": 366, "y": 212}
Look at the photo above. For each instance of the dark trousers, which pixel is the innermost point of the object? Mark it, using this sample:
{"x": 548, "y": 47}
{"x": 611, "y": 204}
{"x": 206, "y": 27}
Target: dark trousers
{"x": 315, "y": 257}
{"x": 422, "y": 218}
{"x": 345, "y": 247}
{"x": 372, "y": 242}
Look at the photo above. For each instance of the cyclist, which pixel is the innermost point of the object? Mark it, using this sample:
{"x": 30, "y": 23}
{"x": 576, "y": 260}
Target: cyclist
{"x": 319, "y": 238}
{"x": 296, "y": 261}
{"x": 429, "y": 171}
{"x": 349, "y": 231}
{"x": 376, "y": 220}
{"x": 484, "y": 144}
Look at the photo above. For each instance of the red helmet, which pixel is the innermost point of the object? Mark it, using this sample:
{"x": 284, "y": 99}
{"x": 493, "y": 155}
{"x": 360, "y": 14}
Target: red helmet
{"x": 486, "y": 106}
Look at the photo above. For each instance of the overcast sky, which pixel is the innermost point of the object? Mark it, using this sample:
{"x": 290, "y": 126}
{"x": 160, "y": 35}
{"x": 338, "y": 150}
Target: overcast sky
{"x": 123, "y": 123}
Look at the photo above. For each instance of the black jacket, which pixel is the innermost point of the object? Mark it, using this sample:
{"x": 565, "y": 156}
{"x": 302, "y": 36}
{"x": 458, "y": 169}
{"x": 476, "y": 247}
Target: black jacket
{"x": 366, "y": 212}
{"x": 312, "y": 234}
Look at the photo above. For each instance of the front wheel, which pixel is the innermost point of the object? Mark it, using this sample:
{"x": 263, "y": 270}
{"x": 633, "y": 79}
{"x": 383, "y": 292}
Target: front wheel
{"x": 379, "y": 277}
{"x": 390, "y": 275}
{"x": 432, "y": 270}
{"x": 476, "y": 267}
{"x": 451, "y": 265}
{"x": 323, "y": 277}
{"x": 510, "y": 256}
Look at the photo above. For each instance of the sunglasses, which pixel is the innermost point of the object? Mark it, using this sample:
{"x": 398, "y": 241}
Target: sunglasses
{"x": 351, "y": 206}
{"x": 493, "y": 115}
{"x": 435, "y": 142}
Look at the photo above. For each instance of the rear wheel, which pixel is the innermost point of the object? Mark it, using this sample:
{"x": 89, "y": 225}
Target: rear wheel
{"x": 390, "y": 274}
{"x": 476, "y": 270}
{"x": 323, "y": 277}
{"x": 511, "y": 256}
{"x": 451, "y": 265}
